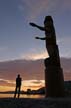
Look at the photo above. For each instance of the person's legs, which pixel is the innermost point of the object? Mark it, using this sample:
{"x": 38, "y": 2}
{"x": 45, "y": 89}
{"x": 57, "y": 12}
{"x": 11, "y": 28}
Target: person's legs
{"x": 19, "y": 91}
{"x": 15, "y": 92}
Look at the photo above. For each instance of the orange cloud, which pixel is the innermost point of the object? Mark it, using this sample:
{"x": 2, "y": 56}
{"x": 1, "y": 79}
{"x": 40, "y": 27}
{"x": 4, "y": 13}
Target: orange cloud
{"x": 6, "y": 88}
{"x": 31, "y": 84}
{"x": 9, "y": 83}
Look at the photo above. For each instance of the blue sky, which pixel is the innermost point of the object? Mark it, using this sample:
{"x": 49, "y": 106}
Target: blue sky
{"x": 17, "y": 37}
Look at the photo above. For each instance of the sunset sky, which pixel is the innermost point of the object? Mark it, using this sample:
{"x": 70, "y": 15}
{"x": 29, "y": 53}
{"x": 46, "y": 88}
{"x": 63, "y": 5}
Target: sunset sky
{"x": 17, "y": 36}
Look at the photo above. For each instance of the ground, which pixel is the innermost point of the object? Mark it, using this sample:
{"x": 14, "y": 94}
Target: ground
{"x": 35, "y": 103}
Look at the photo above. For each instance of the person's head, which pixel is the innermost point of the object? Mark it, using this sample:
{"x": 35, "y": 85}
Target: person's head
{"x": 48, "y": 20}
{"x": 18, "y": 75}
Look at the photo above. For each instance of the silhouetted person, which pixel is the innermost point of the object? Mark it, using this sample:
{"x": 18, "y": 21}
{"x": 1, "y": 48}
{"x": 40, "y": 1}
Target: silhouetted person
{"x": 18, "y": 86}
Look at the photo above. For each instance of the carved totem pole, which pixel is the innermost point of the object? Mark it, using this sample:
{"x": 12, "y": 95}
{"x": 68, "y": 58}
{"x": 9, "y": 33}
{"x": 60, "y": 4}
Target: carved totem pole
{"x": 54, "y": 81}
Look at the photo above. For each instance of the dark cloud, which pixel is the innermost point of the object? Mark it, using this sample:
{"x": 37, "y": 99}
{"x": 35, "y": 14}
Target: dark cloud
{"x": 29, "y": 70}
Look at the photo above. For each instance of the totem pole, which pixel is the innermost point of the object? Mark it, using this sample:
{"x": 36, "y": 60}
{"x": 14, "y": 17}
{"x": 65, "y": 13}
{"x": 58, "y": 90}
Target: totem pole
{"x": 54, "y": 81}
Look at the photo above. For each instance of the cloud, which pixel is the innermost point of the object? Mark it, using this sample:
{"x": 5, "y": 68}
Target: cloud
{"x": 35, "y": 56}
{"x": 4, "y": 82}
{"x": 10, "y": 85}
{"x": 64, "y": 46}
{"x": 36, "y": 82}
{"x": 28, "y": 69}
{"x": 34, "y": 8}
{"x": 33, "y": 83}
{"x": 38, "y": 8}
{"x": 32, "y": 72}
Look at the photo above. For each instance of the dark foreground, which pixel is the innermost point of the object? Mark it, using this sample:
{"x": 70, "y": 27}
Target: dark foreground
{"x": 35, "y": 103}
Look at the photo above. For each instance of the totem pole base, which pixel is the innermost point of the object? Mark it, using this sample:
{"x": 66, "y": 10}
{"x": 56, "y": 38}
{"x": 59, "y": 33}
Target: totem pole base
{"x": 54, "y": 82}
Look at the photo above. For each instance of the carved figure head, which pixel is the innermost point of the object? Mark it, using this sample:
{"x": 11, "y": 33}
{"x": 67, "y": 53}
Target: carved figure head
{"x": 48, "y": 20}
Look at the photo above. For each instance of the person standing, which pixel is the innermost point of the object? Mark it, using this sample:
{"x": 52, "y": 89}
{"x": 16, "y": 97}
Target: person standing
{"x": 18, "y": 86}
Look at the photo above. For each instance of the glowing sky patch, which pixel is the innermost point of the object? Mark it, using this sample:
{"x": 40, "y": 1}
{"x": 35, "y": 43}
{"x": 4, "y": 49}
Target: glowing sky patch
{"x": 26, "y": 84}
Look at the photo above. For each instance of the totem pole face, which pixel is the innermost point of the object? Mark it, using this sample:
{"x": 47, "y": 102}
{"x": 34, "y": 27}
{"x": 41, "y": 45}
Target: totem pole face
{"x": 48, "y": 21}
